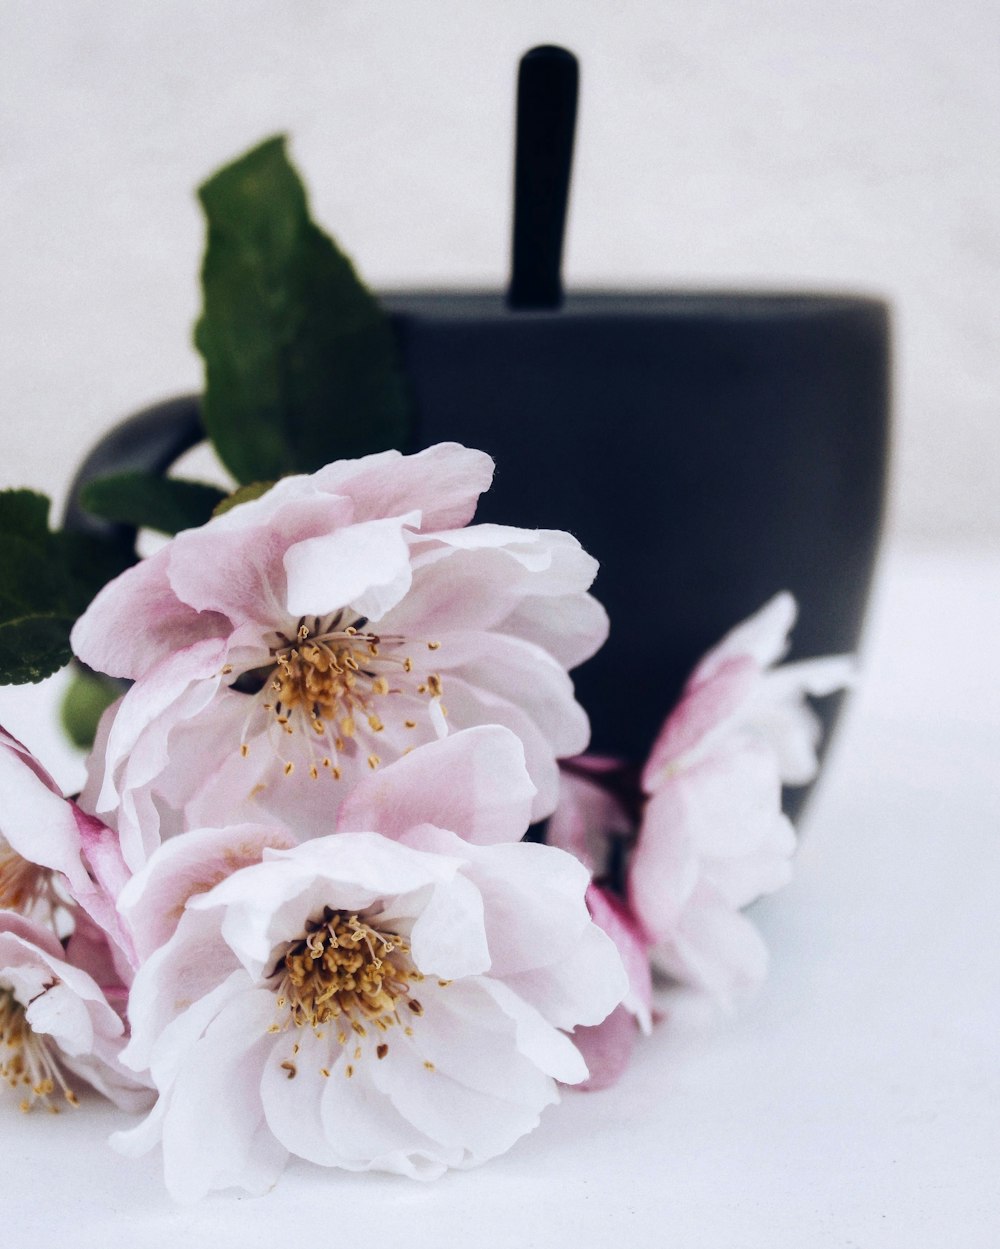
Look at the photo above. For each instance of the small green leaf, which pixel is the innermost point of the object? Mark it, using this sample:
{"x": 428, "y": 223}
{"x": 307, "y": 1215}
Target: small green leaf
{"x": 147, "y": 501}
{"x": 46, "y": 581}
{"x": 300, "y": 362}
{"x": 88, "y": 696}
{"x": 245, "y": 494}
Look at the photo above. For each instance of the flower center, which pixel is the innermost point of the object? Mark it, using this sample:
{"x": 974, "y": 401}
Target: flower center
{"x": 344, "y": 969}
{"x": 27, "y": 1059}
{"x": 328, "y": 682}
{"x": 23, "y": 884}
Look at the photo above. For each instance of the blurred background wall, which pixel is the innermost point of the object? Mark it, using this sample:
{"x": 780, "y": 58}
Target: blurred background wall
{"x": 853, "y": 145}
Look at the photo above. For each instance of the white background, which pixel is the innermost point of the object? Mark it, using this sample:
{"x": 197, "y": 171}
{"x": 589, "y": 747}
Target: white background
{"x": 797, "y": 142}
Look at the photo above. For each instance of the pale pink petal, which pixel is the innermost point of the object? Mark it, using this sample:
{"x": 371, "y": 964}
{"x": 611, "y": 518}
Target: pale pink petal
{"x": 137, "y": 620}
{"x": 36, "y": 820}
{"x": 548, "y": 1048}
{"x": 584, "y": 989}
{"x": 443, "y": 482}
{"x": 469, "y": 1125}
{"x": 67, "y": 1010}
{"x": 762, "y": 638}
{"x": 493, "y": 803}
{"x": 571, "y": 628}
{"x": 468, "y": 705}
{"x": 463, "y": 1036}
{"x": 612, "y": 915}
{"x": 380, "y": 1139}
{"x": 589, "y": 814}
{"x": 235, "y": 563}
{"x": 51, "y": 831}
{"x": 665, "y": 867}
{"x": 781, "y": 714}
{"x": 155, "y": 898}
{"x": 535, "y": 913}
{"x": 606, "y": 1048}
{"x": 448, "y": 937}
{"x": 705, "y": 709}
{"x": 178, "y": 989}
{"x": 717, "y": 950}
{"x": 496, "y": 664}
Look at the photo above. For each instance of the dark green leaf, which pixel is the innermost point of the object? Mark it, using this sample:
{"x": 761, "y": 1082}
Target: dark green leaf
{"x": 46, "y": 581}
{"x": 300, "y": 363}
{"x": 88, "y": 696}
{"x": 145, "y": 500}
{"x": 24, "y": 512}
{"x": 33, "y": 647}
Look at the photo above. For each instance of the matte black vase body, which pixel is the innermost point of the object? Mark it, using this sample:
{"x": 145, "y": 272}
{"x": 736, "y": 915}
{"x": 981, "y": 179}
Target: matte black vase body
{"x": 708, "y": 449}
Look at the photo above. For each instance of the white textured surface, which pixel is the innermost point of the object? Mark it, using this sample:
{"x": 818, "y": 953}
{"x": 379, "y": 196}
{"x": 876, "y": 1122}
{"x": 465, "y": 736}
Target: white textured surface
{"x": 854, "y": 1103}
{"x": 798, "y": 142}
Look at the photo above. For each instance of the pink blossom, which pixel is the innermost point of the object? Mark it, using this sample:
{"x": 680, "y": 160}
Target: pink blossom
{"x": 395, "y": 996}
{"x": 713, "y": 837}
{"x": 57, "y": 1027}
{"x": 325, "y": 629}
{"x": 55, "y": 858}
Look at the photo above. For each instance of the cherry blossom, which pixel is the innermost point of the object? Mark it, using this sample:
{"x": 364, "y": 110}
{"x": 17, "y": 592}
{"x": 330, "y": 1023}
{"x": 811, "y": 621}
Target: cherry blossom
{"x": 58, "y": 865}
{"x": 392, "y": 996}
{"x": 323, "y": 630}
{"x": 57, "y": 1026}
{"x": 713, "y": 837}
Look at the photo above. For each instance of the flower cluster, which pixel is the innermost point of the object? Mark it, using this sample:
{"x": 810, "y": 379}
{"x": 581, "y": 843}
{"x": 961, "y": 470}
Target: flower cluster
{"x": 294, "y": 911}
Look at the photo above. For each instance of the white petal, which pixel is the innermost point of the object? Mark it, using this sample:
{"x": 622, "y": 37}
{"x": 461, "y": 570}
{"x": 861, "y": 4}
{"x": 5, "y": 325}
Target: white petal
{"x": 583, "y": 988}
{"x": 203, "y": 1151}
{"x": 448, "y": 938}
{"x": 549, "y": 1049}
{"x": 469, "y": 1125}
{"x": 365, "y": 566}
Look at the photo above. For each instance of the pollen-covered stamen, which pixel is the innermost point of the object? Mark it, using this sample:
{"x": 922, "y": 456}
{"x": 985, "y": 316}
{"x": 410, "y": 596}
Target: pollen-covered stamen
{"x": 28, "y": 1060}
{"x": 346, "y": 972}
{"x": 23, "y": 885}
{"x": 326, "y": 682}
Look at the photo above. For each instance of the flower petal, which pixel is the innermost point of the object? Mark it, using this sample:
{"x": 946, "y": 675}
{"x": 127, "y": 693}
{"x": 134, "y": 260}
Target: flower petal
{"x": 492, "y": 804}
{"x": 365, "y": 566}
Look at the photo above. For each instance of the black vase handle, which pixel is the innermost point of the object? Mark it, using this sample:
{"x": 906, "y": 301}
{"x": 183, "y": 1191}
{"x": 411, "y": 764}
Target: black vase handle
{"x": 148, "y": 442}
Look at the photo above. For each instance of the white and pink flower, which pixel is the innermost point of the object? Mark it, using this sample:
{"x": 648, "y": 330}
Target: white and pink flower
{"x": 324, "y": 629}
{"x": 713, "y": 837}
{"x": 66, "y": 958}
{"x": 55, "y": 858}
{"x": 394, "y": 996}
{"x": 57, "y": 1026}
